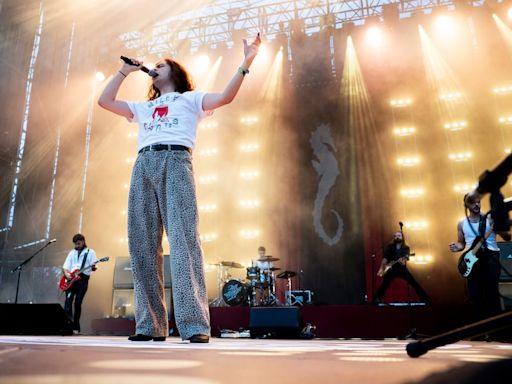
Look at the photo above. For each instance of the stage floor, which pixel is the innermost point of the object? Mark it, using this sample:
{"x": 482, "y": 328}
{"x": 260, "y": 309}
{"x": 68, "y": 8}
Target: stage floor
{"x": 102, "y": 360}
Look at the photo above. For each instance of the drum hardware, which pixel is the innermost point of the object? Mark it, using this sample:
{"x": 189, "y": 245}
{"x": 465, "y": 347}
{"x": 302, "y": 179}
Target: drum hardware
{"x": 288, "y": 276}
{"x": 236, "y": 293}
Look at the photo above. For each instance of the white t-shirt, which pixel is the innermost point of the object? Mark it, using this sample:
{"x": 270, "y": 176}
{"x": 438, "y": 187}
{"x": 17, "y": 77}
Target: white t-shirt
{"x": 170, "y": 119}
{"x": 74, "y": 262}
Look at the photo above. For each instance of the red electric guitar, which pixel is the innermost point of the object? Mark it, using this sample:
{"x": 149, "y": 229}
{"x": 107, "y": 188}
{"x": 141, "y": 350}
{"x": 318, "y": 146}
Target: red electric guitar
{"x": 66, "y": 283}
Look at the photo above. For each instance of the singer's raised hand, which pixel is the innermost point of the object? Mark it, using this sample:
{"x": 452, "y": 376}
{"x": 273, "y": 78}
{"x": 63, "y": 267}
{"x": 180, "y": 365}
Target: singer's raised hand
{"x": 128, "y": 68}
{"x": 250, "y": 51}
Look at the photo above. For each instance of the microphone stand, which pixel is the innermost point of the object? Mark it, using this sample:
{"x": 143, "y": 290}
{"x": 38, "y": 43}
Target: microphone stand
{"x": 19, "y": 268}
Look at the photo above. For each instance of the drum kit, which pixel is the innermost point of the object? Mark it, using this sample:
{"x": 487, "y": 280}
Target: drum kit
{"x": 257, "y": 289}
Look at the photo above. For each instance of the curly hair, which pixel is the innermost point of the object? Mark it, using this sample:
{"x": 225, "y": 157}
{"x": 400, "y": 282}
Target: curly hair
{"x": 179, "y": 77}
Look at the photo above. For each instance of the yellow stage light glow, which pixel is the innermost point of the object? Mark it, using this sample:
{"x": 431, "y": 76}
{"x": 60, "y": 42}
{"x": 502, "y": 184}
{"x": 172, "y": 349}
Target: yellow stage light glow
{"x": 210, "y": 179}
{"x": 416, "y": 225}
{"x": 200, "y": 64}
{"x": 375, "y": 36}
{"x": 100, "y": 76}
{"x": 212, "y": 75}
{"x": 211, "y": 207}
{"x": 509, "y": 13}
{"x": 502, "y": 90}
{"x": 508, "y": 151}
{"x": 209, "y": 125}
{"x": 208, "y": 152}
{"x": 249, "y": 120}
{"x": 250, "y": 204}
{"x": 461, "y": 156}
{"x": 464, "y": 188}
{"x": 445, "y": 25}
{"x": 505, "y": 120}
{"x": 405, "y": 102}
{"x": 408, "y": 161}
{"x": 130, "y": 160}
{"x": 250, "y": 233}
{"x": 249, "y": 175}
{"x": 451, "y": 96}
{"x": 252, "y": 147}
{"x": 208, "y": 237}
{"x": 412, "y": 193}
{"x": 405, "y": 131}
{"x": 456, "y": 125}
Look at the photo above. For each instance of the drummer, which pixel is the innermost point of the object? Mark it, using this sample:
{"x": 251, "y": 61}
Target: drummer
{"x": 263, "y": 265}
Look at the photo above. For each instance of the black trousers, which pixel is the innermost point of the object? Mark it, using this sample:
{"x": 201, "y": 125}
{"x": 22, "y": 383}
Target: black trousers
{"x": 76, "y": 293}
{"x": 400, "y": 271}
{"x": 483, "y": 285}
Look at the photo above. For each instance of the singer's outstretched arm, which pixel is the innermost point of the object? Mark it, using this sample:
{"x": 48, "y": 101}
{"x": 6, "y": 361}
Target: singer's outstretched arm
{"x": 212, "y": 101}
{"x": 107, "y": 98}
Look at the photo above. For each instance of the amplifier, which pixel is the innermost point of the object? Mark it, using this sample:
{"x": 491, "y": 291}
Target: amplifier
{"x": 299, "y": 297}
{"x": 122, "y": 303}
{"x": 506, "y": 260}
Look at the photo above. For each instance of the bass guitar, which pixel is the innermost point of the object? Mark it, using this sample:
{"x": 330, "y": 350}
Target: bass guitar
{"x": 66, "y": 283}
{"x": 468, "y": 259}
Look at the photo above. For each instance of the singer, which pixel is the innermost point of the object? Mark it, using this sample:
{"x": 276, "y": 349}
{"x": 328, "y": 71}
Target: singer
{"x": 162, "y": 194}
{"x": 77, "y": 259}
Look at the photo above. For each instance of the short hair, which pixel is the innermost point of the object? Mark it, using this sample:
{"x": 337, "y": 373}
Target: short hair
{"x": 78, "y": 237}
{"x": 261, "y": 248}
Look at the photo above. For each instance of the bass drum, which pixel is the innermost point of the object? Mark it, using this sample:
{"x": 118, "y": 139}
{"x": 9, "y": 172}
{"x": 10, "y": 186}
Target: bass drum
{"x": 236, "y": 293}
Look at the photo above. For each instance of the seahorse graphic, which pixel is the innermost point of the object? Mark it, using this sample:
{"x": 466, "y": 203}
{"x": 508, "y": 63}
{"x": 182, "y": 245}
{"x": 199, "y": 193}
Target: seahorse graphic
{"x": 327, "y": 168}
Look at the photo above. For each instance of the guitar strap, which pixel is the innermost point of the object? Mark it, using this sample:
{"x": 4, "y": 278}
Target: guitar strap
{"x": 85, "y": 258}
{"x": 481, "y": 230}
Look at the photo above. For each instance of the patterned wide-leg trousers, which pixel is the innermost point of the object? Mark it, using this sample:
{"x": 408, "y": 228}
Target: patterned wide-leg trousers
{"x": 162, "y": 195}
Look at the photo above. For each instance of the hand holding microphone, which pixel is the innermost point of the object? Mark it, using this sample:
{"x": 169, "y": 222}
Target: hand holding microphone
{"x": 135, "y": 65}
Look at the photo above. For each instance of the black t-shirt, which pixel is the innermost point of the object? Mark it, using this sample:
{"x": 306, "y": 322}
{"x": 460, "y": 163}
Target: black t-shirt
{"x": 392, "y": 253}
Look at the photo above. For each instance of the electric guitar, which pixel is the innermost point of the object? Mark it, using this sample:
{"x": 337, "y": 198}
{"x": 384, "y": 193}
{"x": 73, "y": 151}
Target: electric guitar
{"x": 66, "y": 283}
{"x": 390, "y": 265}
{"x": 468, "y": 259}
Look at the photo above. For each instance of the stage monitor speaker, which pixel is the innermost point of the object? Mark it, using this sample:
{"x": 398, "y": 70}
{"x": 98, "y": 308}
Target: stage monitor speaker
{"x": 34, "y": 319}
{"x": 506, "y": 260}
{"x": 275, "y": 322}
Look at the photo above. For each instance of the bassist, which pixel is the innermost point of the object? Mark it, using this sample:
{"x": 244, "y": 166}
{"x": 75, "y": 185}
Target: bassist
{"x": 482, "y": 282}
{"x": 77, "y": 259}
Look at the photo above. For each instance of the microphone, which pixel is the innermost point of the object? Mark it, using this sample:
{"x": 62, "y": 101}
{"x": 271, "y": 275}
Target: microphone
{"x": 400, "y": 224}
{"x": 52, "y": 241}
{"x": 150, "y": 72}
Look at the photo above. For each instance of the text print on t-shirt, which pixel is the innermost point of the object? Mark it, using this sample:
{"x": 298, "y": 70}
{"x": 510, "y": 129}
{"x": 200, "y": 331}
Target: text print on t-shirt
{"x": 160, "y": 119}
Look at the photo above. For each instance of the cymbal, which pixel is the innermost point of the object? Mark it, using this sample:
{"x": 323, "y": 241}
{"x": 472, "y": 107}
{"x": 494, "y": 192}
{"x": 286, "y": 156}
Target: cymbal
{"x": 231, "y": 264}
{"x": 269, "y": 258}
{"x": 286, "y": 275}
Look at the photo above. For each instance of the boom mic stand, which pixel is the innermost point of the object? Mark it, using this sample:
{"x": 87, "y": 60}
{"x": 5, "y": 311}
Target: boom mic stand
{"x": 19, "y": 268}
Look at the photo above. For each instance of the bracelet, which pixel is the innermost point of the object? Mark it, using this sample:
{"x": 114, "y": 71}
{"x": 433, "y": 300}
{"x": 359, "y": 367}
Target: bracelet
{"x": 122, "y": 73}
{"x": 243, "y": 71}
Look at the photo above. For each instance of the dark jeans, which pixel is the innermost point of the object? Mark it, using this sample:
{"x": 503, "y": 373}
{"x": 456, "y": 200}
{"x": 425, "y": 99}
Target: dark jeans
{"x": 76, "y": 293}
{"x": 483, "y": 283}
{"x": 400, "y": 271}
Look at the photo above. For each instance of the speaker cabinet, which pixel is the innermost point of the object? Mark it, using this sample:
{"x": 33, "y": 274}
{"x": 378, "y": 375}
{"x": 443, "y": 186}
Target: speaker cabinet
{"x": 34, "y": 319}
{"x": 506, "y": 260}
{"x": 123, "y": 303}
{"x": 275, "y": 322}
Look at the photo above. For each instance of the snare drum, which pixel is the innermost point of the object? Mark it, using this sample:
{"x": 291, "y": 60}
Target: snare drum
{"x": 236, "y": 293}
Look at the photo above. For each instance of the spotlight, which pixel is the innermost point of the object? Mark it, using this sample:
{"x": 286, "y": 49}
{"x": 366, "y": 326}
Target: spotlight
{"x": 401, "y": 102}
{"x": 201, "y": 64}
{"x": 375, "y": 36}
{"x": 406, "y": 131}
{"x": 463, "y": 188}
{"x": 100, "y": 76}
{"x": 445, "y": 25}
{"x": 412, "y": 193}
{"x": 207, "y": 237}
{"x": 456, "y": 125}
{"x": 408, "y": 161}
{"x": 451, "y": 96}
{"x": 509, "y": 13}
{"x": 461, "y": 156}
{"x": 416, "y": 225}
{"x": 505, "y": 120}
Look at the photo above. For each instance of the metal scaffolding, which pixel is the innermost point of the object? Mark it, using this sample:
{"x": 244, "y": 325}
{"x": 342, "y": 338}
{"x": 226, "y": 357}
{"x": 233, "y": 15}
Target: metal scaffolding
{"x": 223, "y": 21}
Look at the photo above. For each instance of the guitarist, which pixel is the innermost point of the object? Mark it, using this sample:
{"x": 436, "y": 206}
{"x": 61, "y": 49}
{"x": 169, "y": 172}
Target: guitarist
{"x": 77, "y": 259}
{"x": 397, "y": 253}
{"x": 482, "y": 282}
